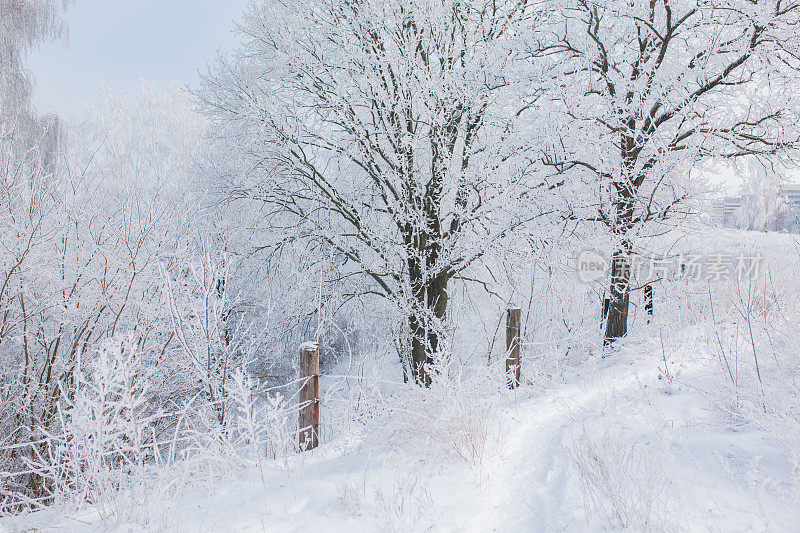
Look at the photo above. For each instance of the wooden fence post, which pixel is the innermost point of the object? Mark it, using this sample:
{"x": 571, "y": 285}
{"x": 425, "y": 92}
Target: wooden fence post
{"x": 513, "y": 363}
{"x": 309, "y": 396}
{"x": 606, "y": 305}
{"x": 648, "y": 301}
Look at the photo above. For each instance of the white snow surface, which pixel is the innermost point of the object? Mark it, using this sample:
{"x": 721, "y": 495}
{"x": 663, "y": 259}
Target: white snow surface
{"x": 701, "y": 469}
{"x": 650, "y": 437}
{"x": 309, "y": 345}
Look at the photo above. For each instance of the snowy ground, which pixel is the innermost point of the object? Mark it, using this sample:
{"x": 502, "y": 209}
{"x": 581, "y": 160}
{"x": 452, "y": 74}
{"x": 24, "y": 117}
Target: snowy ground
{"x": 710, "y": 473}
{"x": 658, "y": 435}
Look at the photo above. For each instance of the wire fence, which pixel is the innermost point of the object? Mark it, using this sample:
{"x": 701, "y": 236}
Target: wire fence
{"x": 52, "y": 458}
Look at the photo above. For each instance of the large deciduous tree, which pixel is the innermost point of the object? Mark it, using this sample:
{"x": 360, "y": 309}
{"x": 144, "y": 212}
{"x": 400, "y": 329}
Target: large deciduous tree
{"x": 651, "y": 89}
{"x": 385, "y": 131}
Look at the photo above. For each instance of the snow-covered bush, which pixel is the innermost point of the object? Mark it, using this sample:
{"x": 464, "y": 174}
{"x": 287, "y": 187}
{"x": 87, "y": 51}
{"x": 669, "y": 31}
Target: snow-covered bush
{"x": 260, "y": 426}
{"x": 212, "y": 341}
{"x": 78, "y": 258}
{"x": 106, "y": 429}
{"x": 452, "y": 418}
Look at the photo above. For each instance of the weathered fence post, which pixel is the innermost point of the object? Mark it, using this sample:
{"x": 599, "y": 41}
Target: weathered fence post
{"x": 606, "y": 304}
{"x": 309, "y": 395}
{"x": 648, "y": 301}
{"x": 513, "y": 363}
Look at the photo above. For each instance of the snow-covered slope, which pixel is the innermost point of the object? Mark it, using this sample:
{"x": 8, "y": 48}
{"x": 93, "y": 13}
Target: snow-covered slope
{"x": 673, "y": 430}
{"x": 614, "y": 434}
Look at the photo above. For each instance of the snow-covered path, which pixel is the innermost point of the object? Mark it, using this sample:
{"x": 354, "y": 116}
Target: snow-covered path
{"x": 669, "y": 447}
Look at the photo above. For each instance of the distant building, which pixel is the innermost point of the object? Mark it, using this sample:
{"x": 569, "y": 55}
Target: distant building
{"x": 726, "y": 211}
{"x": 791, "y": 191}
{"x": 716, "y": 212}
{"x": 729, "y": 209}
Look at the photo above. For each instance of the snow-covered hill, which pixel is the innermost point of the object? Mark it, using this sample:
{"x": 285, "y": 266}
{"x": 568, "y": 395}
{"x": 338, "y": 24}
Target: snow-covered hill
{"x": 671, "y": 431}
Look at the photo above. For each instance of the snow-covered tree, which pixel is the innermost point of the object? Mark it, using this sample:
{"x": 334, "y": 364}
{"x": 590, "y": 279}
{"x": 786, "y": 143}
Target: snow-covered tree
{"x": 80, "y": 246}
{"x": 212, "y": 340}
{"x": 650, "y": 89}
{"x": 384, "y": 133}
{"x": 764, "y": 205}
{"x": 24, "y": 24}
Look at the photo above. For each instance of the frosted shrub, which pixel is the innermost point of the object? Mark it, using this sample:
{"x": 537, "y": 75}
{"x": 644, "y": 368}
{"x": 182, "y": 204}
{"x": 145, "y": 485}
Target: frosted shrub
{"x": 409, "y": 507}
{"x": 461, "y": 414}
{"x": 212, "y": 342}
{"x": 754, "y": 338}
{"x": 350, "y": 499}
{"x": 107, "y": 429}
{"x": 453, "y": 416}
{"x": 258, "y": 427}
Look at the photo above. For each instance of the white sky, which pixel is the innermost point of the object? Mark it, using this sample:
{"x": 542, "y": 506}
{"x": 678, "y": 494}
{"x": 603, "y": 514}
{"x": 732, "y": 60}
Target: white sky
{"x": 123, "y": 41}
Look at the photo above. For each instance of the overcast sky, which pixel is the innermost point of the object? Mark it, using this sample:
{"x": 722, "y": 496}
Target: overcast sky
{"x": 123, "y": 41}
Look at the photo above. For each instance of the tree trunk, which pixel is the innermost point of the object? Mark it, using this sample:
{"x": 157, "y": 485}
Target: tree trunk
{"x": 425, "y": 328}
{"x": 419, "y": 354}
{"x": 617, "y": 317}
{"x": 625, "y": 190}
